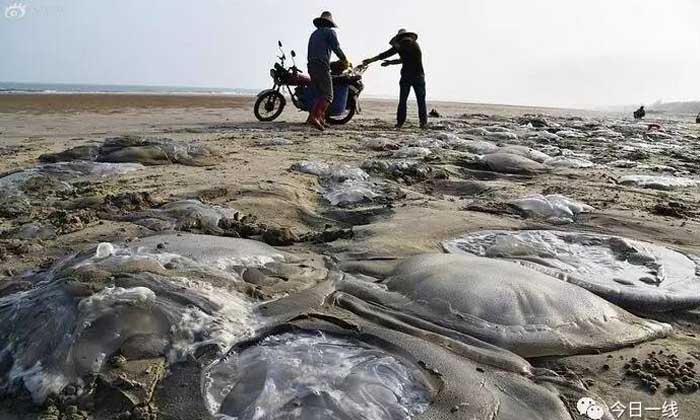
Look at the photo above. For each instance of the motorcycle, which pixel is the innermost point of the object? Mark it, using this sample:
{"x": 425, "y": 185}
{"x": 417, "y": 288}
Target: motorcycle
{"x": 347, "y": 86}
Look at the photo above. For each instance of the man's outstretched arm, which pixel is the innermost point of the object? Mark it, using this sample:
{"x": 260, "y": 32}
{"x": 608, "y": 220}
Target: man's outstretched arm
{"x": 386, "y": 54}
{"x": 391, "y": 62}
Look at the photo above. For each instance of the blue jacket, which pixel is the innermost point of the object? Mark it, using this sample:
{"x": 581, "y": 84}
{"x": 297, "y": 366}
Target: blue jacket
{"x": 322, "y": 42}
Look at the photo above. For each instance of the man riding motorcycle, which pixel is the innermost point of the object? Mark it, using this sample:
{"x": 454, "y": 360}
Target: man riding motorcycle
{"x": 322, "y": 42}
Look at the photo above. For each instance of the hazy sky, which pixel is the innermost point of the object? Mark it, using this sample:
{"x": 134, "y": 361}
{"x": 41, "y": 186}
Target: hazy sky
{"x": 538, "y": 52}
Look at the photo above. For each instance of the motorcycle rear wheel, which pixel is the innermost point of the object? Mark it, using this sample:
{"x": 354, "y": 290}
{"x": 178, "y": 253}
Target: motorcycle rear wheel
{"x": 269, "y": 106}
{"x": 345, "y": 116}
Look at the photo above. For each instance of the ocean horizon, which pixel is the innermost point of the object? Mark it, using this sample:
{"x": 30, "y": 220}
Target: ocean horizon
{"x": 68, "y": 88}
{"x": 108, "y": 89}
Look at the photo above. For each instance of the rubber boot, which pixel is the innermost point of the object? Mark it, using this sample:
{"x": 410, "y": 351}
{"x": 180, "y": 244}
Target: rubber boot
{"x": 312, "y": 112}
{"x": 313, "y": 116}
{"x": 313, "y": 119}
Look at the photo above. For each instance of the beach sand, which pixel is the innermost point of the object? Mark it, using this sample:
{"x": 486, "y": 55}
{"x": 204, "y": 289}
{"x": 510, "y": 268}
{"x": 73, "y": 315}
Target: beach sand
{"x": 256, "y": 179}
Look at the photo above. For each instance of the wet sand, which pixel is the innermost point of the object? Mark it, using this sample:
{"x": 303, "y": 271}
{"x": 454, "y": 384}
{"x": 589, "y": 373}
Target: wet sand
{"x": 414, "y": 215}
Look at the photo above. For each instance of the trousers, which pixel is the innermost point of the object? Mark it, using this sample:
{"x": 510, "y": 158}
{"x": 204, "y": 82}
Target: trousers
{"x": 418, "y": 85}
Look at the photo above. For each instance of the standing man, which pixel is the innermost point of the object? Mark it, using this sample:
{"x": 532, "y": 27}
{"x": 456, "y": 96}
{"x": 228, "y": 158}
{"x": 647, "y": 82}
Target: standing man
{"x": 322, "y": 42}
{"x": 412, "y": 74}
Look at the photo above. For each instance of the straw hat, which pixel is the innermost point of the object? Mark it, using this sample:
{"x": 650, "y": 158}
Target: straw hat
{"x": 325, "y": 19}
{"x": 403, "y": 34}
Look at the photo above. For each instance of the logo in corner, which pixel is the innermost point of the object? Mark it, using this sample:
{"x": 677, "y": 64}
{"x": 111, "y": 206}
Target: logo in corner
{"x": 590, "y": 408}
{"x": 15, "y": 11}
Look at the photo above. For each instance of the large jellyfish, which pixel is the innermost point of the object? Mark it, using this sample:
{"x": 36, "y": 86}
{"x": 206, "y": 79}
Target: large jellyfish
{"x": 500, "y": 302}
{"x": 639, "y": 276}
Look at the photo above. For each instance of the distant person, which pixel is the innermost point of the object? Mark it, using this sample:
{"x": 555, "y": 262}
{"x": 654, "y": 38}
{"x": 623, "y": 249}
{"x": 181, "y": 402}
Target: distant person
{"x": 640, "y": 113}
{"x": 323, "y": 41}
{"x": 412, "y": 74}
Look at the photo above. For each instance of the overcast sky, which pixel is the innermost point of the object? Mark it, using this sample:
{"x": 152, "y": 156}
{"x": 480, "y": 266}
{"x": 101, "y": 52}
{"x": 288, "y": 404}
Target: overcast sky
{"x": 537, "y": 52}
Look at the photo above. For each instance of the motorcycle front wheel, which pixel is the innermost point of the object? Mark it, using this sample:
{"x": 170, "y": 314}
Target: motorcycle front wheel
{"x": 269, "y": 106}
{"x": 343, "y": 118}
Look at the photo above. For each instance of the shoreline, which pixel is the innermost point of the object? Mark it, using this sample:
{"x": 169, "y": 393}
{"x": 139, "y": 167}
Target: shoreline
{"x": 56, "y": 102}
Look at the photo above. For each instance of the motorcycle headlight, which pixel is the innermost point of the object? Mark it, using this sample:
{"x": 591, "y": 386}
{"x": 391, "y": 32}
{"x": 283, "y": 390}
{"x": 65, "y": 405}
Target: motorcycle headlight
{"x": 272, "y": 73}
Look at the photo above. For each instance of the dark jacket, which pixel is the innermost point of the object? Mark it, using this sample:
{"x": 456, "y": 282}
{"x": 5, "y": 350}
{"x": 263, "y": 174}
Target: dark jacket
{"x": 411, "y": 58}
{"x": 322, "y": 42}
